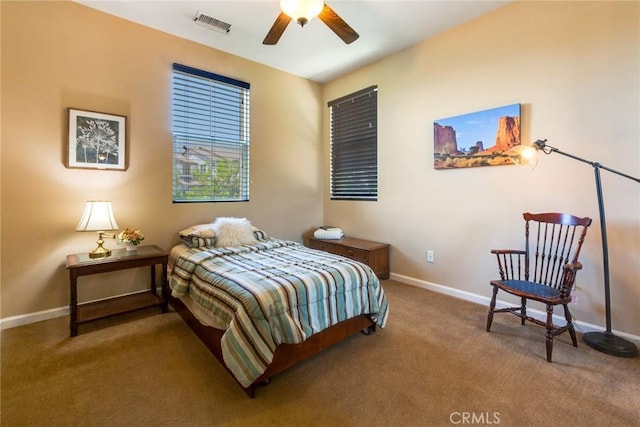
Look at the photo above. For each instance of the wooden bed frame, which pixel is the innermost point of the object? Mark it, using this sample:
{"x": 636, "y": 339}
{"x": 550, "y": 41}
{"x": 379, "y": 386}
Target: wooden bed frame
{"x": 286, "y": 355}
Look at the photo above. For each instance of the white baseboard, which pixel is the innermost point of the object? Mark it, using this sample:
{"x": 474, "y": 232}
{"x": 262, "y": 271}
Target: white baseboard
{"x": 484, "y": 300}
{"x": 25, "y": 319}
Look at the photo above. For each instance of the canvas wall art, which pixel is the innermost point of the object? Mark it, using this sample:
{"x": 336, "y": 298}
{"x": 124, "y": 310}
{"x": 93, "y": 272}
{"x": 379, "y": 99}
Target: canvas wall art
{"x": 476, "y": 139}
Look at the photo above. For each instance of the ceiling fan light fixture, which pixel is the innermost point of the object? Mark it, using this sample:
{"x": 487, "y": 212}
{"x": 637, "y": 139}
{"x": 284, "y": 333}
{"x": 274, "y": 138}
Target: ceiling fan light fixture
{"x": 302, "y": 11}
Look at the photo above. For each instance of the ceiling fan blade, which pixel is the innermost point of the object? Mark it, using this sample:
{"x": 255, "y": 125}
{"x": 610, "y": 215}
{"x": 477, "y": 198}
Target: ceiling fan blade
{"x": 277, "y": 29}
{"x": 337, "y": 25}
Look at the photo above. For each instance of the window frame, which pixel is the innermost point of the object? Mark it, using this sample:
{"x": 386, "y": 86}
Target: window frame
{"x": 210, "y": 134}
{"x": 353, "y": 171}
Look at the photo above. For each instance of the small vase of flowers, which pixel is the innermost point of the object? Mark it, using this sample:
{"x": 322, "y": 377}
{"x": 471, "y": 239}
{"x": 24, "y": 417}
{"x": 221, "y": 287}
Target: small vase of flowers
{"x": 131, "y": 238}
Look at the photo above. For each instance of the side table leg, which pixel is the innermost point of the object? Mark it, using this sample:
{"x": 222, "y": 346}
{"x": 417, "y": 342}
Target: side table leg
{"x": 165, "y": 289}
{"x": 153, "y": 280}
{"x": 73, "y": 303}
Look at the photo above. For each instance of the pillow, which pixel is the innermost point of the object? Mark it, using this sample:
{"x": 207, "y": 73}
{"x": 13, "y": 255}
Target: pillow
{"x": 197, "y": 236}
{"x": 260, "y": 235}
{"x": 198, "y": 242}
{"x": 232, "y": 231}
{"x": 200, "y": 230}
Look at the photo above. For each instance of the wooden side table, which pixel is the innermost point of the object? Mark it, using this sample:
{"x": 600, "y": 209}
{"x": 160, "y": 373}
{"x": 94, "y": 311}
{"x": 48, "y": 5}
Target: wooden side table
{"x": 81, "y": 265}
{"x": 374, "y": 254}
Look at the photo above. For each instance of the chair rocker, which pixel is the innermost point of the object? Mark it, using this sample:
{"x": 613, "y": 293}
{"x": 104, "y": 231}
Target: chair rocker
{"x": 544, "y": 271}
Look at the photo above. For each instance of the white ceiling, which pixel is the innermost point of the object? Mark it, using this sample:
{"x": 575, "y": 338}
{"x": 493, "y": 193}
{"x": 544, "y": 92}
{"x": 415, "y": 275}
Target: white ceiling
{"x": 313, "y": 52}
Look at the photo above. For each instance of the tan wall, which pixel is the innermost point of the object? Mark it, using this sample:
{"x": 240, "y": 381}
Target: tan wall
{"x": 575, "y": 68}
{"x": 60, "y": 54}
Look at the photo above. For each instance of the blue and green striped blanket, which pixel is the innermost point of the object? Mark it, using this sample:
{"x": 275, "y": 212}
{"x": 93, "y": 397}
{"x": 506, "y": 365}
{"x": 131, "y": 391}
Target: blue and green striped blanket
{"x": 274, "y": 292}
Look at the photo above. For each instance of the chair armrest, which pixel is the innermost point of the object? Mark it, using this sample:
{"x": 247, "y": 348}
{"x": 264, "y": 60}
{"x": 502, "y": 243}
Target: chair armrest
{"x": 512, "y": 264}
{"x": 508, "y": 251}
{"x": 569, "y": 278}
{"x": 573, "y": 266}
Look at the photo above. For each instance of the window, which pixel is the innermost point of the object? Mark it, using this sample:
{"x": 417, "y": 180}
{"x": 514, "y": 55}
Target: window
{"x": 354, "y": 146}
{"x": 210, "y": 119}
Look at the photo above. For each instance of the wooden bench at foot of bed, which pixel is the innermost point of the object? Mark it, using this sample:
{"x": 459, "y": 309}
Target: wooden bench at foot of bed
{"x": 286, "y": 355}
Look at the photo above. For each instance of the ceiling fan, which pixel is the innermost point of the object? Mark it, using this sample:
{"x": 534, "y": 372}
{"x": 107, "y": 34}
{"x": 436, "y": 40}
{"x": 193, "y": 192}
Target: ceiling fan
{"x": 303, "y": 11}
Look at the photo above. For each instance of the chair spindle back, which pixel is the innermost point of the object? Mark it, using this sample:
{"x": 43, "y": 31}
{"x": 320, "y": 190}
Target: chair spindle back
{"x": 552, "y": 241}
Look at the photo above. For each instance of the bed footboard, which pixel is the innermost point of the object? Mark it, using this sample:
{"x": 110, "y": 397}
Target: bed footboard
{"x": 286, "y": 355}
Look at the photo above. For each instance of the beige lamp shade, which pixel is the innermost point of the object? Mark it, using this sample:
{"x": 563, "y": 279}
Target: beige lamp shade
{"x": 97, "y": 216}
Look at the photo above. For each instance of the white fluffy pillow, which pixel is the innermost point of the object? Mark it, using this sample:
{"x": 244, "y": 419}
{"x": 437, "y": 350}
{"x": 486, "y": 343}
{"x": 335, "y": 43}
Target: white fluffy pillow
{"x": 232, "y": 231}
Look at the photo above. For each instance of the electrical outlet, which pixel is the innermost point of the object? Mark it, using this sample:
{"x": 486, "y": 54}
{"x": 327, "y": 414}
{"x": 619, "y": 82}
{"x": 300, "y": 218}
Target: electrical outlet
{"x": 430, "y": 256}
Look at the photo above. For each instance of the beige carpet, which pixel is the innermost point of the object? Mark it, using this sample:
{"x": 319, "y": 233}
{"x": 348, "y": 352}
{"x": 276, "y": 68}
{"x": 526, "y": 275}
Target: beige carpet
{"x": 434, "y": 365}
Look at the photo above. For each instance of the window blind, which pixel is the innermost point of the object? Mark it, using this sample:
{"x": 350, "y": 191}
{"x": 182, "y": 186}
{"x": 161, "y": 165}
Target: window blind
{"x": 354, "y": 145}
{"x": 210, "y": 125}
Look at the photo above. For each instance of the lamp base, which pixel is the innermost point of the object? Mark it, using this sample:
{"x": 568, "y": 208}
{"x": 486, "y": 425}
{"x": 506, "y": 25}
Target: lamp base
{"x": 100, "y": 252}
{"x": 608, "y": 343}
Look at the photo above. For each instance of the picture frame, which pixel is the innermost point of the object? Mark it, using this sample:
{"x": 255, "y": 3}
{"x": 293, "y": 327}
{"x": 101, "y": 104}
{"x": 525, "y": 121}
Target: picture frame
{"x": 482, "y": 138}
{"x": 96, "y": 140}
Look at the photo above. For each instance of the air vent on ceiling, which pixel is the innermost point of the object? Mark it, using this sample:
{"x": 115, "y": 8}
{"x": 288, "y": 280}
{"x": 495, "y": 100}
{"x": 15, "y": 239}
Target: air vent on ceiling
{"x": 212, "y": 23}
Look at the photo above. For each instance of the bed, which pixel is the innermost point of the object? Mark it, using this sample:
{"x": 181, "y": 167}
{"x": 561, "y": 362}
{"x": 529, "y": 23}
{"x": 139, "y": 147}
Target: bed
{"x": 262, "y": 305}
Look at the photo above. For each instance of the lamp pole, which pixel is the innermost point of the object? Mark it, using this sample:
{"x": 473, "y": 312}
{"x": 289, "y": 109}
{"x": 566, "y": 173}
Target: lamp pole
{"x": 605, "y": 341}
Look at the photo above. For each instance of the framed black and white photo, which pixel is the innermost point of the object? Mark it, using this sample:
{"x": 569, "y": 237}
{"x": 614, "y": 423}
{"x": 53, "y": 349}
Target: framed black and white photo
{"x": 97, "y": 140}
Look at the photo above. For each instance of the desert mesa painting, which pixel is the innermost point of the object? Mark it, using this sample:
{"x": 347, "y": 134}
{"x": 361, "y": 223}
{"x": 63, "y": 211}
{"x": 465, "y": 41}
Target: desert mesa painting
{"x": 476, "y": 139}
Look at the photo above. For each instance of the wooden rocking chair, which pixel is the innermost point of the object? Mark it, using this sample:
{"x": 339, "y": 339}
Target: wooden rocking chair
{"x": 544, "y": 271}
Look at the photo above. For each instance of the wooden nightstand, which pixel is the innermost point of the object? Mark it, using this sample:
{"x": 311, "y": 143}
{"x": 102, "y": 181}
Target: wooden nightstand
{"x": 81, "y": 265}
{"x": 374, "y": 254}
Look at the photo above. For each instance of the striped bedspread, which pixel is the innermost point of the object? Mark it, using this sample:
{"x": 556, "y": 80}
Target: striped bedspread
{"x": 274, "y": 292}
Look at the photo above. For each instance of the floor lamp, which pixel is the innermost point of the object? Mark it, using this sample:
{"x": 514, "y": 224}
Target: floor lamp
{"x": 606, "y": 341}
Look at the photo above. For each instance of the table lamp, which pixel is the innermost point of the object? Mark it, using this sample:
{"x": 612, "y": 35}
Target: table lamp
{"x": 98, "y": 216}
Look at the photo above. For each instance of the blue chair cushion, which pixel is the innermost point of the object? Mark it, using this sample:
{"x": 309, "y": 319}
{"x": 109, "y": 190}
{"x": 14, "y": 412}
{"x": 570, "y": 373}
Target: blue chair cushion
{"x": 531, "y": 288}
